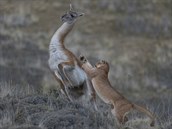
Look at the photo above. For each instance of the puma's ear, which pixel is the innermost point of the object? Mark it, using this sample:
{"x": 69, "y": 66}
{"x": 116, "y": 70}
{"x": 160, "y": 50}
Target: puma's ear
{"x": 104, "y": 62}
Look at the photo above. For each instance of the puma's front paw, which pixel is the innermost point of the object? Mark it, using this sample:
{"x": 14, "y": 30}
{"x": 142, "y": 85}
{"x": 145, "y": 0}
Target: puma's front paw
{"x": 82, "y": 59}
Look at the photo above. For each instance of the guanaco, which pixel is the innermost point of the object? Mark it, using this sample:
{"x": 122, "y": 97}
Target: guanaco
{"x": 66, "y": 68}
{"x": 120, "y": 105}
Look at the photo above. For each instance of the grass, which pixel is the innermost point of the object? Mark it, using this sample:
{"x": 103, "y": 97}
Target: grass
{"x": 24, "y": 108}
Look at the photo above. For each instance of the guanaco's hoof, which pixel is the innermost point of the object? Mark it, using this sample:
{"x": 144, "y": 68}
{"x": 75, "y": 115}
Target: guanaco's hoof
{"x": 152, "y": 124}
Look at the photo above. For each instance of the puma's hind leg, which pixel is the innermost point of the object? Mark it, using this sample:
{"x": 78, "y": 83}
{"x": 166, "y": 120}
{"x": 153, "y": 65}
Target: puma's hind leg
{"x": 120, "y": 117}
{"x": 121, "y": 112}
{"x": 125, "y": 118}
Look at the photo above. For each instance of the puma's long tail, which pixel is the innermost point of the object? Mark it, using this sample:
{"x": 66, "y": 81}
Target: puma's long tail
{"x": 144, "y": 110}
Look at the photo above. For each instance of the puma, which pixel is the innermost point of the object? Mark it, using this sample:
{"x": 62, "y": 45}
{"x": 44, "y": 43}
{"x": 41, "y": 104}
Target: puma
{"x": 120, "y": 105}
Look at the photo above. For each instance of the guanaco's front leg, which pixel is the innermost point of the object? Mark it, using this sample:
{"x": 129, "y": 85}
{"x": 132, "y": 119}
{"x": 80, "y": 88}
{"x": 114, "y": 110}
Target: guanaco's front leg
{"x": 61, "y": 85}
{"x": 65, "y": 67}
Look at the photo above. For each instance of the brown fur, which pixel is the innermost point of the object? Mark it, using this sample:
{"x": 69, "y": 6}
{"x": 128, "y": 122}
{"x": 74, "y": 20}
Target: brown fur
{"x": 120, "y": 105}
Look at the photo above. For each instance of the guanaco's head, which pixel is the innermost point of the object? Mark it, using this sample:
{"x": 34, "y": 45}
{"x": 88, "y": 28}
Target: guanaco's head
{"x": 103, "y": 65}
{"x": 71, "y": 16}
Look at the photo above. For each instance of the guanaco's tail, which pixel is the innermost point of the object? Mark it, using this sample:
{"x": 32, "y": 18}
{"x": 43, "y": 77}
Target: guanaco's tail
{"x": 144, "y": 110}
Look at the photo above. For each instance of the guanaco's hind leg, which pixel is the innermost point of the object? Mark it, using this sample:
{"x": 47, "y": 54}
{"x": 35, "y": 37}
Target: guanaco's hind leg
{"x": 60, "y": 83}
{"x": 60, "y": 77}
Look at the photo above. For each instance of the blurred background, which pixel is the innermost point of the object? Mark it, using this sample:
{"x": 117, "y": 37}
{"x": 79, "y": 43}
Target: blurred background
{"x": 134, "y": 36}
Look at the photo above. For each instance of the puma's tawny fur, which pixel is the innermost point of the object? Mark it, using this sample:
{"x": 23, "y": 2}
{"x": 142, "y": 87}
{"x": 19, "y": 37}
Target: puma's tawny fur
{"x": 120, "y": 105}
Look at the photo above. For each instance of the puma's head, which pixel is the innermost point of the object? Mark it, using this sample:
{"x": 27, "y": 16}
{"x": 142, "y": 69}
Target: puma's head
{"x": 103, "y": 65}
{"x": 71, "y": 16}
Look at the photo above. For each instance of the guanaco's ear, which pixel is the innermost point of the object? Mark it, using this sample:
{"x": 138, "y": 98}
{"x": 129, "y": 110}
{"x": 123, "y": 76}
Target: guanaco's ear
{"x": 75, "y": 14}
{"x": 64, "y": 17}
{"x": 71, "y": 16}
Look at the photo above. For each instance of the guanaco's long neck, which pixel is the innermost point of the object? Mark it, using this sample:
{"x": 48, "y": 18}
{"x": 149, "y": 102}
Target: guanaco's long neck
{"x": 60, "y": 35}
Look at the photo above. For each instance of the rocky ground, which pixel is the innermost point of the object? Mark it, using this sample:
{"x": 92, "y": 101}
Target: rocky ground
{"x": 135, "y": 37}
